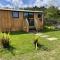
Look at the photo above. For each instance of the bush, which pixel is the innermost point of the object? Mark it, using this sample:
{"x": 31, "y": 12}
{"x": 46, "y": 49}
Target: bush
{"x": 5, "y": 41}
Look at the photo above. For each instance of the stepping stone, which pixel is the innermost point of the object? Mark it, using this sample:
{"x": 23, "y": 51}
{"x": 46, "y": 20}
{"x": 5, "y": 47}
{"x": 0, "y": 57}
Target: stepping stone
{"x": 0, "y": 59}
{"x": 39, "y": 34}
{"x": 52, "y": 39}
{"x": 45, "y": 36}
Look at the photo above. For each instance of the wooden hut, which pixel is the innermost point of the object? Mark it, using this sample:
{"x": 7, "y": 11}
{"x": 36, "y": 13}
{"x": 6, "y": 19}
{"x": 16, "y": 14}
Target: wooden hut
{"x": 20, "y": 20}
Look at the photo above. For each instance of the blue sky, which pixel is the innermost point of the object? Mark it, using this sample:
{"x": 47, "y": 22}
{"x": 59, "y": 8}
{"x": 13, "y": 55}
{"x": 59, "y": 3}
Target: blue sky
{"x": 28, "y": 3}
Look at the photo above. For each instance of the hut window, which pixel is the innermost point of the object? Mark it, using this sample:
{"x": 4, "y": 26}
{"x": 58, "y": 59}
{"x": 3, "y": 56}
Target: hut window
{"x": 15, "y": 14}
{"x": 31, "y": 15}
{"x": 39, "y": 15}
{"x": 25, "y": 15}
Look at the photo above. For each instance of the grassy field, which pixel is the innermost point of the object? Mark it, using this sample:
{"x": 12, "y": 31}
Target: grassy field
{"x": 24, "y": 48}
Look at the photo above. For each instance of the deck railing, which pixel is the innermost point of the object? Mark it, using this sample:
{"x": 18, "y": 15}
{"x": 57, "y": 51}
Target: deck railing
{"x": 36, "y": 24}
{"x": 26, "y": 26}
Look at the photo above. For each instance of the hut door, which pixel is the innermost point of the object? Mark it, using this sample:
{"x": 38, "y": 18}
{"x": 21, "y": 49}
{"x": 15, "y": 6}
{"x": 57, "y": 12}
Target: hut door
{"x": 31, "y": 18}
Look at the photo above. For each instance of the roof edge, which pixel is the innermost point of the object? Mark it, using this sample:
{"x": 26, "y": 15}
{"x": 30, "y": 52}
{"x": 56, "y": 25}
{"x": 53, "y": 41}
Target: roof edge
{"x": 19, "y": 10}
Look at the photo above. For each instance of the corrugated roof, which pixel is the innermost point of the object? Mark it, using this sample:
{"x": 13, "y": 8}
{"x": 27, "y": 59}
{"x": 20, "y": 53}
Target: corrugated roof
{"x": 19, "y": 10}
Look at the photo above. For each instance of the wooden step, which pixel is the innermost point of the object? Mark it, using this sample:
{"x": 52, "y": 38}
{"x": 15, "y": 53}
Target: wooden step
{"x": 31, "y": 27}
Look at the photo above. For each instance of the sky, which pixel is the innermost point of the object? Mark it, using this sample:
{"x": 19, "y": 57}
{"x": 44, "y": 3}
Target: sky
{"x": 28, "y": 3}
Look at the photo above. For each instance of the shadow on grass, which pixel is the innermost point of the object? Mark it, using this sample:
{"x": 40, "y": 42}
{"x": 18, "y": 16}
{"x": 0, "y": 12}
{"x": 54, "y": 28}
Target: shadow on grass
{"x": 40, "y": 46}
{"x": 10, "y": 49}
{"x": 43, "y": 47}
{"x": 18, "y": 32}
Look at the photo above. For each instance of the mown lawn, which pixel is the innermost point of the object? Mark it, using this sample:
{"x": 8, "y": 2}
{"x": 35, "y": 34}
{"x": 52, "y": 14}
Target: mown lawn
{"x": 24, "y": 48}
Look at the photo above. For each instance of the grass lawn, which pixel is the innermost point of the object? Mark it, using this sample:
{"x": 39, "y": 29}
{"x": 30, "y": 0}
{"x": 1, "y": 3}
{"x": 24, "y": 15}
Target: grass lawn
{"x": 24, "y": 48}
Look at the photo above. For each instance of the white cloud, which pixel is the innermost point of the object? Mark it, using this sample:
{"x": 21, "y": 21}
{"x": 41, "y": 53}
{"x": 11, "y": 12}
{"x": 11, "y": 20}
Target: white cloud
{"x": 3, "y": 6}
{"x": 59, "y": 8}
{"x": 16, "y": 3}
{"x": 40, "y": 2}
{"x": 20, "y": 3}
{"x": 47, "y": 3}
{"x": 55, "y": 3}
{"x": 8, "y": 6}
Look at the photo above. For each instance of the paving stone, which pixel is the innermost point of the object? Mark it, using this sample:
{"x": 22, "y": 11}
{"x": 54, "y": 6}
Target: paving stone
{"x": 45, "y": 36}
{"x": 52, "y": 38}
{"x": 38, "y": 34}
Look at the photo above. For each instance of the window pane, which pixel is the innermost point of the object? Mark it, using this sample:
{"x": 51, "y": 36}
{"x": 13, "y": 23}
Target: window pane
{"x": 31, "y": 15}
{"x": 39, "y": 15}
{"x": 15, "y": 14}
{"x": 26, "y": 15}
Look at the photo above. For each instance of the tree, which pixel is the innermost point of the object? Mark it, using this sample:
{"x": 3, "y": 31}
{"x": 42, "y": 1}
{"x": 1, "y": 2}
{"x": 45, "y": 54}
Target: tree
{"x": 51, "y": 12}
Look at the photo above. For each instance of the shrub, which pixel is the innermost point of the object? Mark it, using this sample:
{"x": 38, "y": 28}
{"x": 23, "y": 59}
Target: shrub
{"x": 5, "y": 41}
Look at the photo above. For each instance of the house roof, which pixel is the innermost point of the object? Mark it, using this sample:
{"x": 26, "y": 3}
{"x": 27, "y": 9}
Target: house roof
{"x": 19, "y": 10}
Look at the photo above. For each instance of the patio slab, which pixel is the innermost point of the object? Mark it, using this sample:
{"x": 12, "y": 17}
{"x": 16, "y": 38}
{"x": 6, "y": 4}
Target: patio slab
{"x": 52, "y": 38}
{"x": 45, "y": 36}
{"x": 39, "y": 34}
